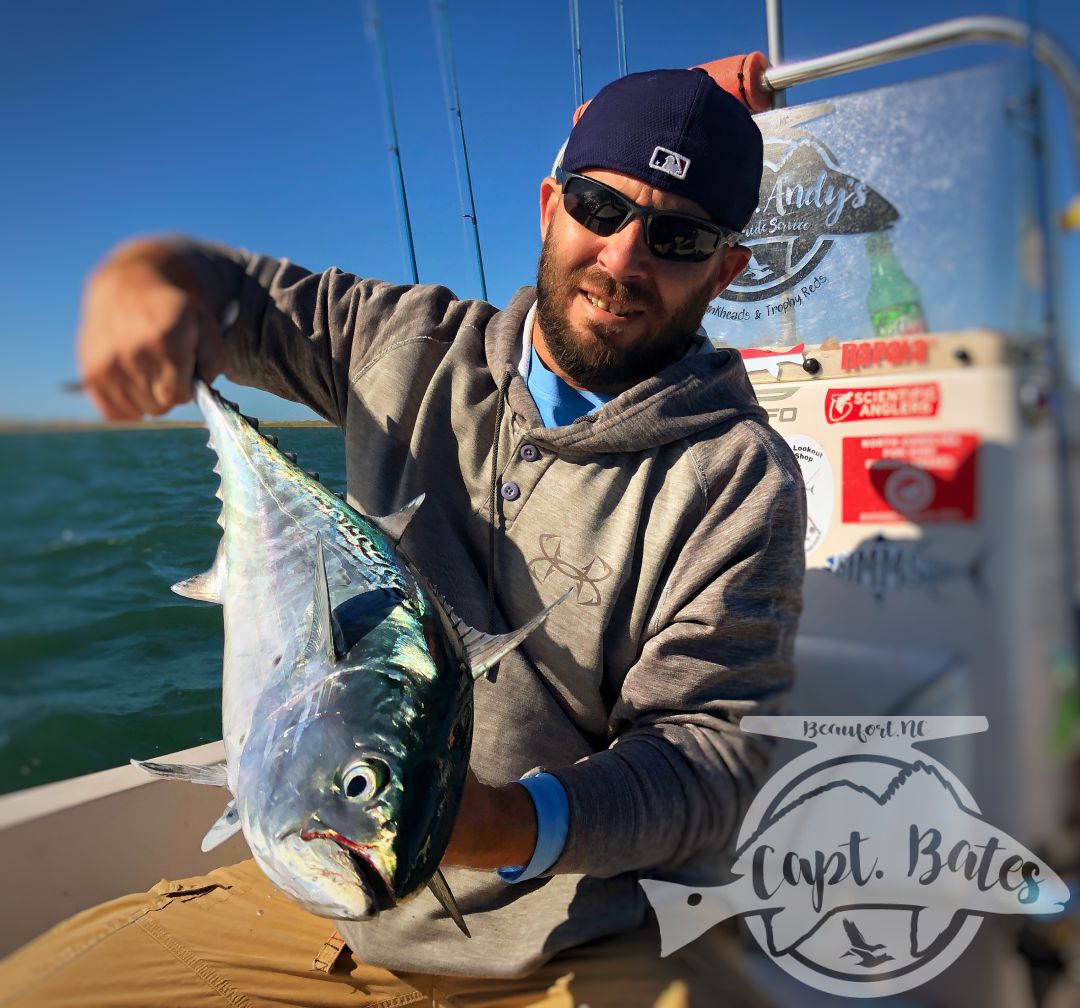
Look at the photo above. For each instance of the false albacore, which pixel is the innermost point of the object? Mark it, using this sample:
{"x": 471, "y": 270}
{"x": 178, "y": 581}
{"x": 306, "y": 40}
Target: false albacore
{"x": 347, "y": 690}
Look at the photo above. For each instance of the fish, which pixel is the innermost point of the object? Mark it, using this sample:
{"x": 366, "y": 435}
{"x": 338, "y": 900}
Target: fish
{"x": 347, "y": 688}
{"x": 882, "y": 565}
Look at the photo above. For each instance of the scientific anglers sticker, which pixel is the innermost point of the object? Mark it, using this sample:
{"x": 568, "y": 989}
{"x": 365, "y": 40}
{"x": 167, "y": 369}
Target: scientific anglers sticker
{"x": 864, "y": 866}
{"x": 817, "y": 477}
{"x": 807, "y": 200}
{"x": 844, "y": 405}
{"x": 910, "y": 477}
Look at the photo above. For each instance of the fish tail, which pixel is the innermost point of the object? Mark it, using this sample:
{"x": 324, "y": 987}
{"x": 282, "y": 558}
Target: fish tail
{"x": 683, "y": 912}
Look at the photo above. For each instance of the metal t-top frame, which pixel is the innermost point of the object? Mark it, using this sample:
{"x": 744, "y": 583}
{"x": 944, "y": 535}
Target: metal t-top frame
{"x": 958, "y": 31}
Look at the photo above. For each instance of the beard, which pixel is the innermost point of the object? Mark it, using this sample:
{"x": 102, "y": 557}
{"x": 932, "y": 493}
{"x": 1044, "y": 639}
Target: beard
{"x": 595, "y": 360}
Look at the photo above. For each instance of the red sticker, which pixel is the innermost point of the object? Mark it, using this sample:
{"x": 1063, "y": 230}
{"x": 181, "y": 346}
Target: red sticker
{"x": 910, "y": 477}
{"x": 770, "y": 360}
{"x": 890, "y": 402}
{"x": 877, "y": 353}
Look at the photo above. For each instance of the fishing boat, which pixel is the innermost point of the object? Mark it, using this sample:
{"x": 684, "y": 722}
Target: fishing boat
{"x": 913, "y": 368}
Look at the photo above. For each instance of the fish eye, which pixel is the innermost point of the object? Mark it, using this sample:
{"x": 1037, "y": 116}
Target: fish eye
{"x": 364, "y": 779}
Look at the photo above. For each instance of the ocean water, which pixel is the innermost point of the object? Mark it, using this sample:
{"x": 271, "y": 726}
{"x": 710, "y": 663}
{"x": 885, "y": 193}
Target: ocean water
{"x": 99, "y": 661}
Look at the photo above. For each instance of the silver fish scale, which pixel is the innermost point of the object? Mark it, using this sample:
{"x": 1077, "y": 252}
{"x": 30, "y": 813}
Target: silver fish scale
{"x": 271, "y": 515}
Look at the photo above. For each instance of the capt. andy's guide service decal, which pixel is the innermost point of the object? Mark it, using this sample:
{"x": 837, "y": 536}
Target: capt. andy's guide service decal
{"x": 863, "y": 866}
{"x": 807, "y": 200}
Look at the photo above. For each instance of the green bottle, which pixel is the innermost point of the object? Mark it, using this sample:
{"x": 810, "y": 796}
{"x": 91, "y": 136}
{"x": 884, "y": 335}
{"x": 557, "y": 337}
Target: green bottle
{"x": 894, "y": 302}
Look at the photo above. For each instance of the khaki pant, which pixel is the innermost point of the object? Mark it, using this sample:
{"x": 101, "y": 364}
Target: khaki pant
{"x": 230, "y": 939}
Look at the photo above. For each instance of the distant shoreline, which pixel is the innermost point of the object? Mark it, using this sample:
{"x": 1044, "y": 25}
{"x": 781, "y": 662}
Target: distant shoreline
{"x": 72, "y": 426}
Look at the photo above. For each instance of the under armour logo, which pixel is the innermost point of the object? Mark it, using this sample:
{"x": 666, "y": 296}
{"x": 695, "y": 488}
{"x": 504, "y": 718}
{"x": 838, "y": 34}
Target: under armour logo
{"x": 586, "y": 578}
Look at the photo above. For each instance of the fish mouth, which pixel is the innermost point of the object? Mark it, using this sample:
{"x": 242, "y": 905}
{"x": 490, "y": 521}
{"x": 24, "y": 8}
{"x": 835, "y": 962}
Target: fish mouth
{"x": 370, "y": 878}
{"x": 372, "y": 881}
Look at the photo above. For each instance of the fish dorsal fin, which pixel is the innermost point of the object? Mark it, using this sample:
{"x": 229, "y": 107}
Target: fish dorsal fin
{"x": 482, "y": 650}
{"x": 325, "y": 635}
{"x": 228, "y": 825}
{"x": 441, "y": 891}
{"x": 208, "y": 586}
{"x": 213, "y": 773}
{"x": 394, "y": 526}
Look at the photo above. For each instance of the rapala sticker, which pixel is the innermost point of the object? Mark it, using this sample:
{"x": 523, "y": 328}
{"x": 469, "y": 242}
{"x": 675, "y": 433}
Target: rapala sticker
{"x": 886, "y": 403}
{"x": 884, "y": 353}
{"x": 910, "y": 477}
{"x": 817, "y": 477}
{"x": 863, "y": 867}
{"x": 770, "y": 360}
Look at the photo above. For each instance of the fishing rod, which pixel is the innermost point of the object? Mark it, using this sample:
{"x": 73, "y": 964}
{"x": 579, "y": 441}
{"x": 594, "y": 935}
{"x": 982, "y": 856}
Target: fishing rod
{"x": 575, "y": 43}
{"x": 620, "y": 32}
{"x": 373, "y": 26}
{"x": 453, "y": 99}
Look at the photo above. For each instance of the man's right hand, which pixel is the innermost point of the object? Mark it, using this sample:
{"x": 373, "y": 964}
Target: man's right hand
{"x": 145, "y": 334}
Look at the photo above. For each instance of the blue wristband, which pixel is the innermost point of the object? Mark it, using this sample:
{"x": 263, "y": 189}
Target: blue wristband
{"x": 552, "y": 825}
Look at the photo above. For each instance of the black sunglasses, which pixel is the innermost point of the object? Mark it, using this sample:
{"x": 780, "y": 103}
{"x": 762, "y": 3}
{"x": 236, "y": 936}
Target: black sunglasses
{"x": 668, "y": 234}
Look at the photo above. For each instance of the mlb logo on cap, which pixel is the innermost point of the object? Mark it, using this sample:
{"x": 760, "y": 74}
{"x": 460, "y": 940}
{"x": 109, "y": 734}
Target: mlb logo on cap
{"x": 668, "y": 161}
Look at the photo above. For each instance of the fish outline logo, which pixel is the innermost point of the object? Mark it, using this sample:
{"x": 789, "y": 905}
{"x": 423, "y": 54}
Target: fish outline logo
{"x": 755, "y": 359}
{"x": 839, "y": 405}
{"x": 863, "y": 867}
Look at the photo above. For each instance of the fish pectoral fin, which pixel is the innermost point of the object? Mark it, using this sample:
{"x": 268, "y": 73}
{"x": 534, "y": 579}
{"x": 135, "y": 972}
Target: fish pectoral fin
{"x": 441, "y": 891}
{"x": 205, "y": 587}
{"x": 214, "y": 774}
{"x": 325, "y": 634}
{"x": 482, "y": 650}
{"x": 227, "y": 825}
{"x": 393, "y": 526}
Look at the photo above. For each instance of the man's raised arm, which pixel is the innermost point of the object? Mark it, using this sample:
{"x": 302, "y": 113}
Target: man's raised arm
{"x": 152, "y": 314}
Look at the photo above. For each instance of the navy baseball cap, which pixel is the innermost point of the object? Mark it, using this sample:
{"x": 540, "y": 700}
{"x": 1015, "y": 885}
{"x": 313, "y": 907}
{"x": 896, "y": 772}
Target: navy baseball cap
{"x": 677, "y": 131}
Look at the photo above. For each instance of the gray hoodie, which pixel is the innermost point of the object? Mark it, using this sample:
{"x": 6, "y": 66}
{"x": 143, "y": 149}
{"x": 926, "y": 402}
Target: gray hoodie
{"x": 674, "y": 513}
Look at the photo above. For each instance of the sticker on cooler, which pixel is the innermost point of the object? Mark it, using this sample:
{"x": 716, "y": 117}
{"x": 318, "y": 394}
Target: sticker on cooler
{"x": 910, "y": 477}
{"x": 881, "y": 352}
{"x": 886, "y": 403}
{"x": 770, "y": 360}
{"x": 817, "y": 476}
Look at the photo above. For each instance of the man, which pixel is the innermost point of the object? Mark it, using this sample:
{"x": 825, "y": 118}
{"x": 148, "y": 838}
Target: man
{"x": 587, "y": 437}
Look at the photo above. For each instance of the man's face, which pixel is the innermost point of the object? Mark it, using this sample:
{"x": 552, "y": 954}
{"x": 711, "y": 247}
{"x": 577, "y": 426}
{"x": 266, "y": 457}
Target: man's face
{"x": 610, "y": 313}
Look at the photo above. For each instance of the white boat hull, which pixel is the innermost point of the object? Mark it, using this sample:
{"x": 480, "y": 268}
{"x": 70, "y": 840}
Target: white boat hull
{"x": 76, "y": 843}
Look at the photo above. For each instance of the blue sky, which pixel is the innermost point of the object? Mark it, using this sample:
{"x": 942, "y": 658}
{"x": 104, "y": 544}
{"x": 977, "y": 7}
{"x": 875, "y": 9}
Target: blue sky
{"x": 260, "y": 124}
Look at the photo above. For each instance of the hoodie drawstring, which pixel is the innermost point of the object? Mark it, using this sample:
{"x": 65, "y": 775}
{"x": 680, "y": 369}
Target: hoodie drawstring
{"x": 500, "y": 408}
